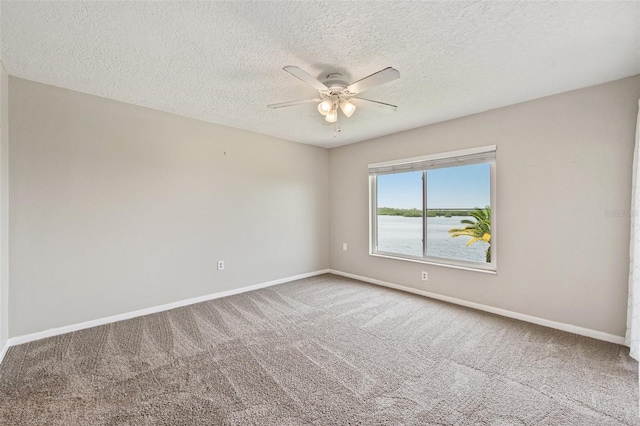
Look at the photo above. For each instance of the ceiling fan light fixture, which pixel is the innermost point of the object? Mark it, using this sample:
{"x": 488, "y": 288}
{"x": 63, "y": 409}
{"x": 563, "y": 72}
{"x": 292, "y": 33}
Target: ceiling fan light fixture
{"x": 324, "y": 107}
{"x": 332, "y": 116}
{"x": 348, "y": 108}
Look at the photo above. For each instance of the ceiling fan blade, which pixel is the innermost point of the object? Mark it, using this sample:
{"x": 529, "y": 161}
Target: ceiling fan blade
{"x": 292, "y": 103}
{"x": 304, "y": 76}
{"x": 381, "y": 77}
{"x": 369, "y": 104}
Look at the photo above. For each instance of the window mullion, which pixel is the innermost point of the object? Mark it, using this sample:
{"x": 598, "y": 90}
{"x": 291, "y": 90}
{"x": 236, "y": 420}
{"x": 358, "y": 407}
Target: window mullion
{"x": 374, "y": 212}
{"x": 424, "y": 213}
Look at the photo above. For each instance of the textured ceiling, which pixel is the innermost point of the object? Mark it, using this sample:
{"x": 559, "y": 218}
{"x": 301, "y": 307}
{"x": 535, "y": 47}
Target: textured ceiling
{"x": 222, "y": 61}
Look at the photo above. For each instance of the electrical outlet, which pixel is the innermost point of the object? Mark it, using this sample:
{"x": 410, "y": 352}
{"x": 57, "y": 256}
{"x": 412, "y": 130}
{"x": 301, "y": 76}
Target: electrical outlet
{"x": 425, "y": 277}
{"x": 220, "y": 265}
{"x": 344, "y": 246}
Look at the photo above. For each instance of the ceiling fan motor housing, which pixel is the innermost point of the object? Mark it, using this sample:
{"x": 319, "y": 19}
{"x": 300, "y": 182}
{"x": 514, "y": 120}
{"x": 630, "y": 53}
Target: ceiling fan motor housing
{"x": 336, "y": 83}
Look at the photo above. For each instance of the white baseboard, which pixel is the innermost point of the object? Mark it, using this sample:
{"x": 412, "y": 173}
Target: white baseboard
{"x": 607, "y": 337}
{"x": 18, "y": 340}
{"x": 3, "y": 351}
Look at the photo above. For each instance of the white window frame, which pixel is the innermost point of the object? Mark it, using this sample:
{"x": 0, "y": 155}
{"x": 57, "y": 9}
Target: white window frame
{"x": 423, "y": 163}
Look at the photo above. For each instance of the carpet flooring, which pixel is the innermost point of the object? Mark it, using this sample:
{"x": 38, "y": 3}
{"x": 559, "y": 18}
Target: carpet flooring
{"x": 320, "y": 351}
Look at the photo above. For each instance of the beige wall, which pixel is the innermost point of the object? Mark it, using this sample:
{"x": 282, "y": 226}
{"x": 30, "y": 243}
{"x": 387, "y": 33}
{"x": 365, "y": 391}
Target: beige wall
{"x": 115, "y": 207}
{"x": 562, "y": 162}
{"x": 4, "y": 212}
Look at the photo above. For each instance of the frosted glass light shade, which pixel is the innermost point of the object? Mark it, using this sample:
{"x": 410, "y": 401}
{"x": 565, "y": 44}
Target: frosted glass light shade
{"x": 348, "y": 108}
{"x": 324, "y": 107}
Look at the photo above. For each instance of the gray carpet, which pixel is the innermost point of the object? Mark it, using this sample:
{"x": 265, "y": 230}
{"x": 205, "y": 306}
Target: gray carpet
{"x": 325, "y": 350}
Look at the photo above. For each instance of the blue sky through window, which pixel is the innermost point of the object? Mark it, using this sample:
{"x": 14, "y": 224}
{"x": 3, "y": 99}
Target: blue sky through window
{"x": 450, "y": 187}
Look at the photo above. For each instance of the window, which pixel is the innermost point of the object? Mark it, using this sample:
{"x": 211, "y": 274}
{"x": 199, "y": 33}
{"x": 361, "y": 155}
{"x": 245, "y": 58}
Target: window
{"x": 437, "y": 209}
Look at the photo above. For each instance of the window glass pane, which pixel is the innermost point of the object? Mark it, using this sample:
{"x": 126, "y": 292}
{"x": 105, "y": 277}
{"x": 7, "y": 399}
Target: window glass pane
{"x": 453, "y": 195}
{"x": 399, "y": 208}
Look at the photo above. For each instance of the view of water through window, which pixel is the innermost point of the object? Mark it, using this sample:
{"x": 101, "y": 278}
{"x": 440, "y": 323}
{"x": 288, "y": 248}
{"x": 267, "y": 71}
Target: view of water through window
{"x": 403, "y": 235}
{"x": 458, "y": 212}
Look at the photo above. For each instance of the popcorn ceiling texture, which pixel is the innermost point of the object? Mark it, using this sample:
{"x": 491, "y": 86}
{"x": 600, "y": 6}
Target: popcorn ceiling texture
{"x": 222, "y": 61}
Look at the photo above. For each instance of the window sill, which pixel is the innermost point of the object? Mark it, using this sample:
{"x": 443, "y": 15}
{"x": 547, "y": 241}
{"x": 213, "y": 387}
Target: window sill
{"x": 452, "y": 265}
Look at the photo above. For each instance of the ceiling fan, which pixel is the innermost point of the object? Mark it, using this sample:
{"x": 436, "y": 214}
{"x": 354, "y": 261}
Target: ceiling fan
{"x": 334, "y": 92}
